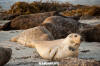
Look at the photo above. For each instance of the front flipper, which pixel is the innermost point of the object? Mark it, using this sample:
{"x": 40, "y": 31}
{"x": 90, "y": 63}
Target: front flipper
{"x": 53, "y": 53}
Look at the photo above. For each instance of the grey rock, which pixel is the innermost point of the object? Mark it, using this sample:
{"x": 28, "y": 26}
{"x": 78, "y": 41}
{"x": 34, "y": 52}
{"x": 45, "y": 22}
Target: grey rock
{"x": 5, "y": 55}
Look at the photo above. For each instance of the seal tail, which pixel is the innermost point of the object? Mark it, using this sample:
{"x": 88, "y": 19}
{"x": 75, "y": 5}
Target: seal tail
{"x": 14, "y": 39}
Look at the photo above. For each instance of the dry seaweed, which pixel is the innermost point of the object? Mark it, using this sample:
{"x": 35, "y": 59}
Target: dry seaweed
{"x": 36, "y": 7}
{"x": 83, "y": 11}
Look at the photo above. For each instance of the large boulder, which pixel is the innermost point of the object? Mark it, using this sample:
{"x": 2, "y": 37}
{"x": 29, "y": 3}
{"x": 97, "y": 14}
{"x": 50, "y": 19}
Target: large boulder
{"x": 5, "y": 16}
{"x": 92, "y": 34}
{"x": 29, "y": 21}
{"x": 5, "y": 55}
{"x": 4, "y": 24}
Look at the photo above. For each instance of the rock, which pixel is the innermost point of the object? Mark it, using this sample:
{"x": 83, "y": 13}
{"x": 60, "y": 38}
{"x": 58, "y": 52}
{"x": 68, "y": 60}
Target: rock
{"x": 78, "y": 62}
{"x": 5, "y": 16}
{"x": 5, "y": 55}
{"x": 92, "y": 34}
{"x": 33, "y": 34}
{"x": 60, "y": 27}
{"x": 30, "y": 21}
{"x": 4, "y": 24}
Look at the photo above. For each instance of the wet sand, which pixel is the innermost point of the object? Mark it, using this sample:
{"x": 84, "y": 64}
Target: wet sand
{"x": 90, "y": 21}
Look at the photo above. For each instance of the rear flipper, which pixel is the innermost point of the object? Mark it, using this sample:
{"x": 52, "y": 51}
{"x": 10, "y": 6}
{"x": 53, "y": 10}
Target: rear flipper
{"x": 14, "y": 39}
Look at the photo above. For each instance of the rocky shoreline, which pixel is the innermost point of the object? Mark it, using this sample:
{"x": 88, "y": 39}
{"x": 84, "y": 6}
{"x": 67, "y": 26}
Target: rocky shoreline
{"x": 60, "y": 26}
{"x": 20, "y": 57}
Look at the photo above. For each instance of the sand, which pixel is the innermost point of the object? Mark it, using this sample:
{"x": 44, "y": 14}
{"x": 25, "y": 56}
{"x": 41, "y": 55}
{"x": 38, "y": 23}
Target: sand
{"x": 90, "y": 21}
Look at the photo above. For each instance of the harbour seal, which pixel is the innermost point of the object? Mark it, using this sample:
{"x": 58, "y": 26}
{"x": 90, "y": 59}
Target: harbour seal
{"x": 59, "y": 49}
{"x": 60, "y": 27}
{"x": 32, "y": 34}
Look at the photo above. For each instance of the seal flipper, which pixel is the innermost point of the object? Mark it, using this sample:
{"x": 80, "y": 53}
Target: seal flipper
{"x": 53, "y": 53}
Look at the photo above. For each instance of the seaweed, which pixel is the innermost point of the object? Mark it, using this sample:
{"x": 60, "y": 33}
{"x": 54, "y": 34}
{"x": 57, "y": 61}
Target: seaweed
{"x": 83, "y": 11}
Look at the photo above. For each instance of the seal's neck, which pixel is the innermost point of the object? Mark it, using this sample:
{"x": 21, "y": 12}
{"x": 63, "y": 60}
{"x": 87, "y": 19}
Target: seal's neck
{"x": 68, "y": 44}
{"x": 66, "y": 41}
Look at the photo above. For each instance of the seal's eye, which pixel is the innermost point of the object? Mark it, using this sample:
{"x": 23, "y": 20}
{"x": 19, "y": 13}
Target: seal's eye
{"x": 75, "y": 35}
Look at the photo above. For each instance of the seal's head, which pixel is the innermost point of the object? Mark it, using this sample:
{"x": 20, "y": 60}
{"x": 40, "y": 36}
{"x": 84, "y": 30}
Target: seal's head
{"x": 73, "y": 40}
